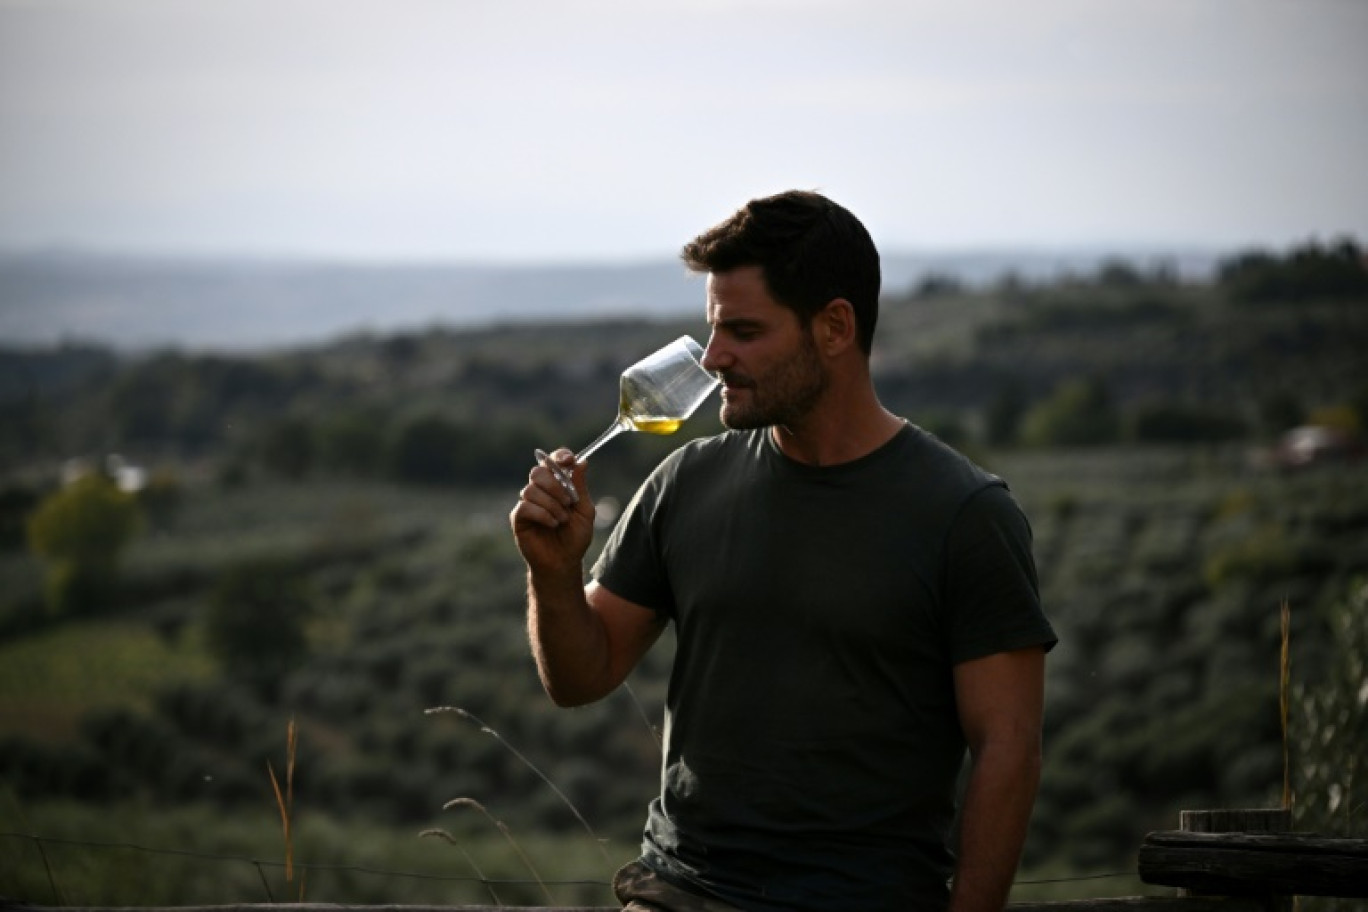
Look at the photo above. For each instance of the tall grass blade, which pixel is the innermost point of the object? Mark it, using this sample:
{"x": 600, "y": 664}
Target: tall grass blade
{"x": 472, "y": 718}
{"x": 285, "y": 802}
{"x": 507, "y": 834}
{"x": 451, "y": 840}
{"x": 641, "y": 710}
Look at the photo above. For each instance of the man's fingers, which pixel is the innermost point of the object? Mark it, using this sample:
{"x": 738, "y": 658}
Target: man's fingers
{"x": 543, "y": 503}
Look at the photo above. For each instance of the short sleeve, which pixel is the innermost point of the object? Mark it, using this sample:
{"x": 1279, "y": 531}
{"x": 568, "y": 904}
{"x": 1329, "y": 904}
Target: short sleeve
{"x": 991, "y": 591}
{"x": 630, "y": 564}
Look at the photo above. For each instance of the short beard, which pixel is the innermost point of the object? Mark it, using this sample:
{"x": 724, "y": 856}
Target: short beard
{"x": 785, "y": 395}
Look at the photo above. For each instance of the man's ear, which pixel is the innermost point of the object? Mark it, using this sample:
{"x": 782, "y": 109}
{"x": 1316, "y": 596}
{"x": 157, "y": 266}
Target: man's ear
{"x": 834, "y": 327}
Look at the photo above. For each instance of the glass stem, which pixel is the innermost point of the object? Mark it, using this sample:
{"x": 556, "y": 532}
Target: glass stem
{"x": 617, "y": 427}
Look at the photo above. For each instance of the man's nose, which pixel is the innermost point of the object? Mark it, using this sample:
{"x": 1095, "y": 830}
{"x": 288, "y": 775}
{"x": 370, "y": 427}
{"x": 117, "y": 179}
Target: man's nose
{"x": 714, "y": 355}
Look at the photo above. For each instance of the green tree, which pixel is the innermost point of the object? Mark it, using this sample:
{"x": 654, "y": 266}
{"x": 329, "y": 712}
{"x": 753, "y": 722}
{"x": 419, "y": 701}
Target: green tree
{"x": 81, "y": 530}
{"x": 1178, "y": 422}
{"x": 16, "y": 502}
{"x": 257, "y": 614}
{"x": 1079, "y": 412}
{"x": 351, "y": 442}
{"x": 287, "y": 448}
{"x": 1002, "y": 418}
{"x": 427, "y": 450}
{"x": 1312, "y": 270}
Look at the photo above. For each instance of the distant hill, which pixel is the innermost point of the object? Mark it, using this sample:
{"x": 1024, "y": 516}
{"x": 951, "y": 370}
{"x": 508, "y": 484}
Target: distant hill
{"x": 239, "y": 305}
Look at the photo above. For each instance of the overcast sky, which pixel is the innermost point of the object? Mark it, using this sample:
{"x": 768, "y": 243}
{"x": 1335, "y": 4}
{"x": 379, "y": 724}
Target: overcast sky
{"x": 614, "y": 129}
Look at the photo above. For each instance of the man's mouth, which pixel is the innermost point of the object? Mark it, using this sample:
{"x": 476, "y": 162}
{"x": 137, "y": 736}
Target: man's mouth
{"x": 732, "y": 392}
{"x": 732, "y": 384}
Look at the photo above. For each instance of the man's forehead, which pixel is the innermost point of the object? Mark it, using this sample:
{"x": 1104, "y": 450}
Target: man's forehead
{"x": 744, "y": 284}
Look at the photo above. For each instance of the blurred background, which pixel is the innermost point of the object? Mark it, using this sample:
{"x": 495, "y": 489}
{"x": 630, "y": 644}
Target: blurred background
{"x": 290, "y": 291}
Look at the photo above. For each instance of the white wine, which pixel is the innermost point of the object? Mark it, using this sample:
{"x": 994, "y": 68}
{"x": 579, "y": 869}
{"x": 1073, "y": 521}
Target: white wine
{"x": 655, "y": 425}
{"x": 641, "y": 408}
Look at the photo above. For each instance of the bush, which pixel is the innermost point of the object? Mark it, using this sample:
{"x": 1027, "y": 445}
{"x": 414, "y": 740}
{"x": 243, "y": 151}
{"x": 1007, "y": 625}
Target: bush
{"x": 287, "y": 448}
{"x": 425, "y": 451}
{"x": 81, "y": 531}
{"x": 1171, "y": 422}
{"x": 1077, "y": 413}
{"x": 256, "y": 622}
{"x": 352, "y": 443}
{"x": 17, "y": 501}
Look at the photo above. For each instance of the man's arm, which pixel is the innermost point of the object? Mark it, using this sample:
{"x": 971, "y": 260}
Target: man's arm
{"x": 1001, "y": 707}
{"x": 586, "y": 640}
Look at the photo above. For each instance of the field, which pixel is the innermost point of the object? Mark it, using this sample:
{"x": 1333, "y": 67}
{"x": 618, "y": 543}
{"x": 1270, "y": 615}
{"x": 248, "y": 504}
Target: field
{"x": 1164, "y": 572}
{"x": 324, "y": 543}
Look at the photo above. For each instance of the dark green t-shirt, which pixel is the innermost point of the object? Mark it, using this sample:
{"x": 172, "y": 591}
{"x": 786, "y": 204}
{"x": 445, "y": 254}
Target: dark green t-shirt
{"x": 812, "y": 742}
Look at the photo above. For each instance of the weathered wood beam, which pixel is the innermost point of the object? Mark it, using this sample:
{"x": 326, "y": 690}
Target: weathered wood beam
{"x": 1243, "y": 864}
{"x": 1124, "y": 904}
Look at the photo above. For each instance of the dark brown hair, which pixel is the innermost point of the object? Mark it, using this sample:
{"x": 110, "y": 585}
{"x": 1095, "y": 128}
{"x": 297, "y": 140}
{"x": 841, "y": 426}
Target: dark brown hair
{"x": 809, "y": 249}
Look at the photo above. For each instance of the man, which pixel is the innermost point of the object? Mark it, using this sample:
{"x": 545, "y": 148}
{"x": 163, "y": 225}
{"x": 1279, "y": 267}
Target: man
{"x": 855, "y": 604}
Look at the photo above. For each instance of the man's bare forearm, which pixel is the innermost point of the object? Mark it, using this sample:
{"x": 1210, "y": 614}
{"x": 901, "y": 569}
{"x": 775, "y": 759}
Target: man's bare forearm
{"x": 997, "y": 810}
{"x": 568, "y": 639}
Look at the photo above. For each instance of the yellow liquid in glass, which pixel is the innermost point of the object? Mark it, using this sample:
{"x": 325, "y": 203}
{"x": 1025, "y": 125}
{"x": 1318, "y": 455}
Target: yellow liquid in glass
{"x": 656, "y": 425}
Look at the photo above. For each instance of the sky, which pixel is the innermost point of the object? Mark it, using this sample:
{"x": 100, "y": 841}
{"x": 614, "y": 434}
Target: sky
{"x": 576, "y": 130}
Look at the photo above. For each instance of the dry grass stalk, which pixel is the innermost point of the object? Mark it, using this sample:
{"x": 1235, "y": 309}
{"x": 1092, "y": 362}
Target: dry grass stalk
{"x": 507, "y": 834}
{"x": 285, "y": 802}
{"x": 471, "y": 717}
{"x": 646, "y": 719}
{"x": 451, "y": 840}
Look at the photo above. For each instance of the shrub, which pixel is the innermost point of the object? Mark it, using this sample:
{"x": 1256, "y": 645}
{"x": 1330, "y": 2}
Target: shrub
{"x": 425, "y": 451}
{"x": 1171, "y": 422}
{"x": 287, "y": 448}
{"x": 1265, "y": 554}
{"x": 81, "y": 531}
{"x": 1077, "y": 413}
{"x": 257, "y": 614}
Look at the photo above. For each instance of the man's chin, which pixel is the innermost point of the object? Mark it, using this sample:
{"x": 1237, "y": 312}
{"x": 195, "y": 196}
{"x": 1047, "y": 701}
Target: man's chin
{"x": 738, "y": 419}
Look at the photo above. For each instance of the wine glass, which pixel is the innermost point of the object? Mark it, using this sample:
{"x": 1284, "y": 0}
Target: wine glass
{"x": 655, "y": 396}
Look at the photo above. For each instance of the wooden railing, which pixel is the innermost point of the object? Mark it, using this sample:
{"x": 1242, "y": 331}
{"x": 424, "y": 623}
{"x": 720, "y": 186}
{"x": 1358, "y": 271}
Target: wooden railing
{"x": 1220, "y": 861}
{"x": 1252, "y": 853}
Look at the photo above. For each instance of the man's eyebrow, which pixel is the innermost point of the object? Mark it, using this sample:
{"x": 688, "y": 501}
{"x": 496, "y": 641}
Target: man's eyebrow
{"x": 738, "y": 323}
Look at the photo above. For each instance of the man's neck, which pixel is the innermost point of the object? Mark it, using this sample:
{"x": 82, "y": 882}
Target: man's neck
{"x": 837, "y": 431}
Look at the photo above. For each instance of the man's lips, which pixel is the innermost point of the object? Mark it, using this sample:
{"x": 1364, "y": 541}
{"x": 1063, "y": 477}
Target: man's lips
{"x": 731, "y": 392}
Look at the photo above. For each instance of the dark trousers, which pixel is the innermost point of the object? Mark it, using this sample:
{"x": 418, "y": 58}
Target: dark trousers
{"x": 640, "y": 889}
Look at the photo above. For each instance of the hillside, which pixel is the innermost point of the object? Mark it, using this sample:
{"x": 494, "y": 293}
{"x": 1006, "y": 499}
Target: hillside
{"x": 363, "y": 485}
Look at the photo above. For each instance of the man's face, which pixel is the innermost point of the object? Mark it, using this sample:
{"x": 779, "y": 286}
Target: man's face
{"x": 770, "y": 370}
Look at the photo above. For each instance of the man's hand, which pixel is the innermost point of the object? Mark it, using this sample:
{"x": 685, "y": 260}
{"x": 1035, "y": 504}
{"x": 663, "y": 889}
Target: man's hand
{"x": 552, "y": 532}
{"x": 586, "y": 640}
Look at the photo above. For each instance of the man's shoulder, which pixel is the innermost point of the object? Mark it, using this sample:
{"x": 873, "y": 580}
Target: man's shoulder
{"x": 939, "y": 481}
{"x": 928, "y": 457}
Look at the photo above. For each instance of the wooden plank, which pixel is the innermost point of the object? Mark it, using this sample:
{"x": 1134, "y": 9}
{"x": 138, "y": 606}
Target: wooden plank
{"x": 1124, "y": 904}
{"x": 1146, "y": 904}
{"x": 1286, "y": 843}
{"x": 1236, "y": 820}
{"x": 6, "y": 906}
{"x": 1252, "y": 865}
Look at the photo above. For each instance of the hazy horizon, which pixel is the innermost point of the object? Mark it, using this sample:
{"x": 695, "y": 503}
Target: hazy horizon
{"x": 139, "y": 303}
